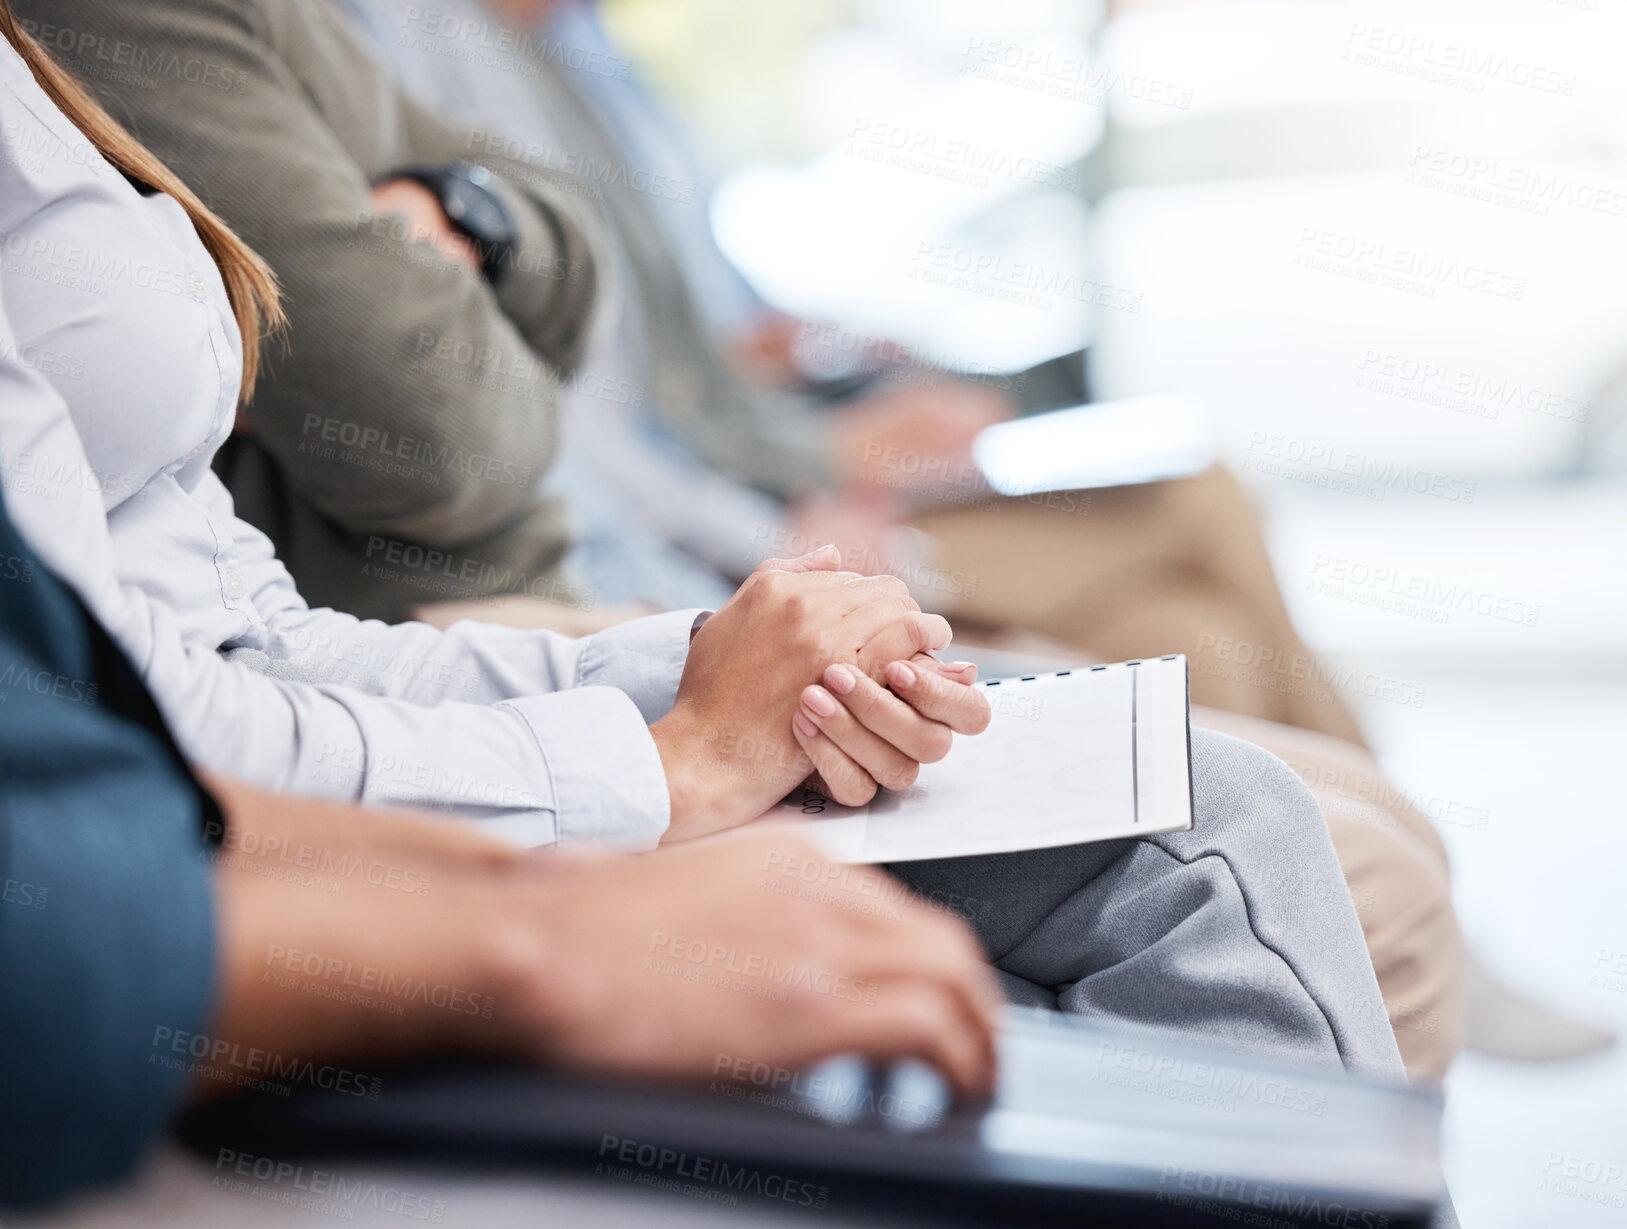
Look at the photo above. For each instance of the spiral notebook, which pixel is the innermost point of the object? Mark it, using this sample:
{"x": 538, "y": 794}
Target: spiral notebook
{"x": 1092, "y": 754}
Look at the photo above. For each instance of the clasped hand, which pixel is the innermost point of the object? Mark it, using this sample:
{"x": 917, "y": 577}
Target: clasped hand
{"x": 809, "y": 669}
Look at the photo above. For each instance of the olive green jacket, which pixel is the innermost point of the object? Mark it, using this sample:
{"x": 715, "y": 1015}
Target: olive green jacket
{"x": 394, "y": 447}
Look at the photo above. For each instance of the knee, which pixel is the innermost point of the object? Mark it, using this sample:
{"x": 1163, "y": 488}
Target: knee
{"x": 1213, "y": 496}
{"x": 1237, "y": 783}
{"x": 1256, "y": 812}
{"x": 1401, "y": 892}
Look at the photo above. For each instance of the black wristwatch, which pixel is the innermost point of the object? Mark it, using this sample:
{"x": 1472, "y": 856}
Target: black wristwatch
{"x": 470, "y": 205}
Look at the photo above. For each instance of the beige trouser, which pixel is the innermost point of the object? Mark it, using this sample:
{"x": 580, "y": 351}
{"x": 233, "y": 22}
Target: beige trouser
{"x": 1181, "y": 567}
{"x": 1167, "y": 567}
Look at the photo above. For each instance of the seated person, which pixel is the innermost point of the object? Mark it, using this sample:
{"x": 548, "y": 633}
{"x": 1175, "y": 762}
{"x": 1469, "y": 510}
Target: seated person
{"x": 1162, "y": 555}
{"x": 140, "y": 908}
{"x": 1237, "y": 930}
{"x": 1173, "y": 564}
{"x": 141, "y": 911}
{"x": 629, "y": 737}
{"x": 413, "y": 408}
{"x": 455, "y": 721}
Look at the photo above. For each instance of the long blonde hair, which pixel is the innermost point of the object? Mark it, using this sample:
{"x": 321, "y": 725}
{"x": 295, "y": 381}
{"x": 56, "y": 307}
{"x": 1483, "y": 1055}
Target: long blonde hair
{"x": 250, "y": 284}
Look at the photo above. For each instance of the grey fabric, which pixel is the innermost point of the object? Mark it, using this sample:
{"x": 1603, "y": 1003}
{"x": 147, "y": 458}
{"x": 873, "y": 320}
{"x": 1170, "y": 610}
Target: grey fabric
{"x": 1240, "y": 931}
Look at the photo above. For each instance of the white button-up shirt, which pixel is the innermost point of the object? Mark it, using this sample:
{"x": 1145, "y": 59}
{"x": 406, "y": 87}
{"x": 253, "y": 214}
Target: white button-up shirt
{"x": 119, "y": 370}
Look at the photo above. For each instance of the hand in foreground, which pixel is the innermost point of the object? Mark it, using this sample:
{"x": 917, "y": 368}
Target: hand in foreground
{"x": 683, "y": 959}
{"x": 669, "y": 965}
{"x": 727, "y": 746}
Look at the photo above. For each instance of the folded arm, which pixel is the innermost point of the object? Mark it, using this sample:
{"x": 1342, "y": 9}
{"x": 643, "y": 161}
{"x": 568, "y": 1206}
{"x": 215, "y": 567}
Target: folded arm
{"x": 410, "y": 399}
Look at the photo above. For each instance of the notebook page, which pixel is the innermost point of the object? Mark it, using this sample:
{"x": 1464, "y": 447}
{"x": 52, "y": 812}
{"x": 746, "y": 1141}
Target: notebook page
{"x": 1085, "y": 755}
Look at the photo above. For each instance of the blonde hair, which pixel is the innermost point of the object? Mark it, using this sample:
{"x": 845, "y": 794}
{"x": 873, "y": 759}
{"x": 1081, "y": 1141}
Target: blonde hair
{"x": 250, "y": 284}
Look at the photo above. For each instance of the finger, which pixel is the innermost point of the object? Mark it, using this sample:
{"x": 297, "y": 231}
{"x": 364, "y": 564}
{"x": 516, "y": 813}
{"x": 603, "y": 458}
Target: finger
{"x": 823, "y": 559}
{"x": 908, "y": 734}
{"x": 886, "y": 764}
{"x": 849, "y": 785}
{"x": 963, "y": 708}
{"x": 936, "y": 945}
{"x": 868, "y": 616}
{"x": 955, "y": 671}
{"x": 921, "y": 944}
{"x": 814, "y": 600}
{"x": 833, "y": 579}
{"x": 881, "y": 586}
{"x": 914, "y": 937}
{"x": 925, "y": 1021}
{"x": 899, "y": 639}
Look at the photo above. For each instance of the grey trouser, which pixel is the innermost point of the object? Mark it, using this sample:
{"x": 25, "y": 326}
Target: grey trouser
{"x": 1240, "y": 931}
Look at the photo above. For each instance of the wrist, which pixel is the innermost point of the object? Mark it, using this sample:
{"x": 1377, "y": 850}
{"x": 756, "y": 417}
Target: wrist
{"x": 472, "y": 210}
{"x": 695, "y": 801}
{"x": 533, "y": 970}
{"x": 674, "y": 744}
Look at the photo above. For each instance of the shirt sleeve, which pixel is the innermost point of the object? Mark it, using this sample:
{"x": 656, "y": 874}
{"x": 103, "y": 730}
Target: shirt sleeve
{"x": 387, "y": 340}
{"x": 548, "y": 740}
{"x": 473, "y": 662}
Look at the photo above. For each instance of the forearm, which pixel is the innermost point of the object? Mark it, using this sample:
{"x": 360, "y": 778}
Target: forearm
{"x": 550, "y": 285}
{"x": 265, "y": 830}
{"x": 576, "y": 765}
{"x": 368, "y": 975}
{"x": 471, "y": 661}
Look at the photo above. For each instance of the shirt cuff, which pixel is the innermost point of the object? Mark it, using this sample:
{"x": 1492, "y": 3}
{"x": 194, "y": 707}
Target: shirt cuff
{"x": 644, "y": 658}
{"x": 608, "y": 784}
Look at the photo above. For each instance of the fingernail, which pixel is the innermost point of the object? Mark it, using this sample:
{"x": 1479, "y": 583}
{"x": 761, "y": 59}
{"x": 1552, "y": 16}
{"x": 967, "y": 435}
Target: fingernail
{"x": 960, "y": 667}
{"x": 804, "y": 727}
{"x": 901, "y": 675}
{"x": 840, "y": 679}
{"x": 819, "y": 701}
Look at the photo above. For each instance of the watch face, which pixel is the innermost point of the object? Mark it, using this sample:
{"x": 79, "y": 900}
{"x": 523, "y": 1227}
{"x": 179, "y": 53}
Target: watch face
{"x": 476, "y": 210}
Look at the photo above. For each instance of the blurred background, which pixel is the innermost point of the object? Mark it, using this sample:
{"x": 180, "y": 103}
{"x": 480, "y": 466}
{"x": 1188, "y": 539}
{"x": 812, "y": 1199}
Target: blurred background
{"x": 1385, "y": 244}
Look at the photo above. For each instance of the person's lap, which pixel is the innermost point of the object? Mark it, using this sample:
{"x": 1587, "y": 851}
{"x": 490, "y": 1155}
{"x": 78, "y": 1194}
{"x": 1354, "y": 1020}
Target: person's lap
{"x": 1396, "y": 866}
{"x": 1203, "y": 532}
{"x": 1240, "y": 930}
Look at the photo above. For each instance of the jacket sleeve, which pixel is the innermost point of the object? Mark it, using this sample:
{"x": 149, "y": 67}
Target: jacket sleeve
{"x": 107, "y": 933}
{"x": 774, "y": 440}
{"x": 392, "y": 353}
